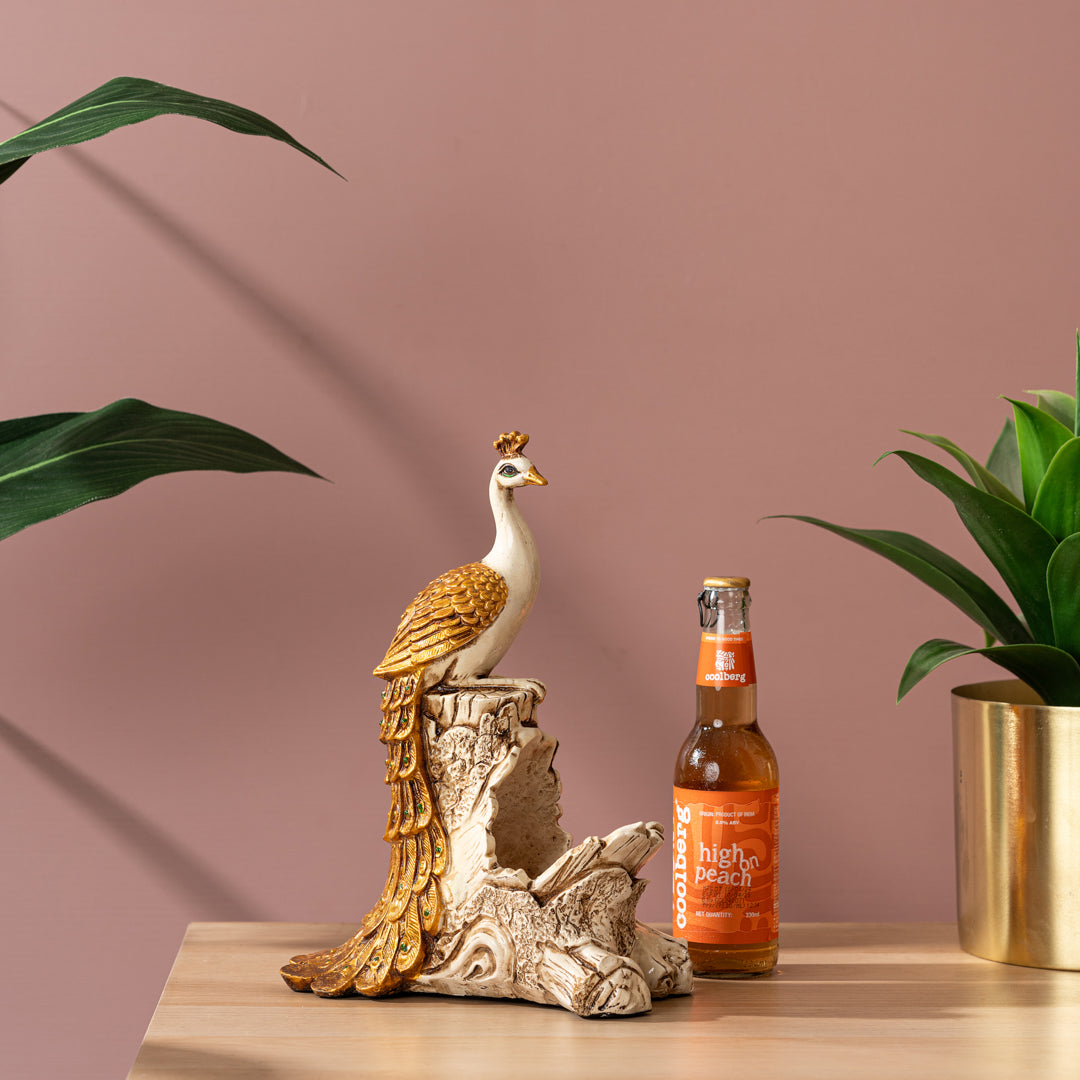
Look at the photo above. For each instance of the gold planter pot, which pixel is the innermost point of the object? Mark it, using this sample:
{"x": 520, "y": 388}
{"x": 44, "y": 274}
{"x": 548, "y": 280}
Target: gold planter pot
{"x": 1017, "y": 786}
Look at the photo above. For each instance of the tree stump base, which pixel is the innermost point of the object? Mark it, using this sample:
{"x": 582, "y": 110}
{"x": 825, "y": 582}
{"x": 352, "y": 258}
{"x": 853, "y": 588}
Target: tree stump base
{"x": 526, "y": 914}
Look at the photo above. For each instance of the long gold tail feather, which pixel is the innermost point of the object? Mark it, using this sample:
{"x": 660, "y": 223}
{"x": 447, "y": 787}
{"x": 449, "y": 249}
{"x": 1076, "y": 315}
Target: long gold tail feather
{"x": 391, "y": 944}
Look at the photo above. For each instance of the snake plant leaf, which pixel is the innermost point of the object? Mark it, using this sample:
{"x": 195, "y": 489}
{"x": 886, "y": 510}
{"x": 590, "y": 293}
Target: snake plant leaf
{"x": 1051, "y": 672}
{"x": 128, "y": 100}
{"x": 981, "y": 476}
{"x": 65, "y": 460}
{"x": 1039, "y": 437}
{"x": 1017, "y": 545}
{"x": 944, "y": 574}
{"x": 1004, "y": 460}
{"x": 1057, "y": 503}
{"x": 1063, "y": 585}
{"x": 1061, "y": 406}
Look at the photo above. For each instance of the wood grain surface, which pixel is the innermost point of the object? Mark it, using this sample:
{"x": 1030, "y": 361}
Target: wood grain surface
{"x": 872, "y": 1001}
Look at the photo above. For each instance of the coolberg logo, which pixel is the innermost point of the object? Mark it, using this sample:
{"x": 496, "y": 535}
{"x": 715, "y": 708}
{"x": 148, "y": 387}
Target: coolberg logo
{"x": 679, "y": 867}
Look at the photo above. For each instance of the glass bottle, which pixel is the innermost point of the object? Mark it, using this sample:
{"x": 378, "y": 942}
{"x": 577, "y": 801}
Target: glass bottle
{"x": 725, "y": 896}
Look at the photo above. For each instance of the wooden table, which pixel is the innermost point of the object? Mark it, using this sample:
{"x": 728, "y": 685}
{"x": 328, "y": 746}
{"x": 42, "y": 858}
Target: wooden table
{"x": 871, "y": 1001}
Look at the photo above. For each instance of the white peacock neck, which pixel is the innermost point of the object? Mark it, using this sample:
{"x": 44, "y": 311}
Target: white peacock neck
{"x": 513, "y": 554}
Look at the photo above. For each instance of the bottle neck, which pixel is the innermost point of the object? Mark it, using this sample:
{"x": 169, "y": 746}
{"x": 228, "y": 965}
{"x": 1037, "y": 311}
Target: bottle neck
{"x": 724, "y": 611}
{"x": 726, "y": 678}
{"x": 732, "y": 706}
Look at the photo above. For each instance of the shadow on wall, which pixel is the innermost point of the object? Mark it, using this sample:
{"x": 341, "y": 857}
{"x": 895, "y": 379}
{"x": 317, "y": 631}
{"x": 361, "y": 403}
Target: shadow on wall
{"x": 180, "y": 869}
{"x": 348, "y": 375}
{"x": 376, "y": 405}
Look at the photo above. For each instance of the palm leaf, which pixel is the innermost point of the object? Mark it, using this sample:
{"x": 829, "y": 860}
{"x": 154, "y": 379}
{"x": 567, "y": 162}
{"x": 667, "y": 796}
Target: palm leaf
{"x": 9, "y": 167}
{"x": 1057, "y": 502}
{"x": 1017, "y": 545}
{"x": 944, "y": 574}
{"x": 1061, "y": 406}
{"x": 1052, "y": 673}
{"x": 981, "y": 476}
{"x": 1004, "y": 460}
{"x": 67, "y": 459}
{"x": 125, "y": 101}
{"x": 10, "y": 430}
{"x": 1063, "y": 585}
{"x": 1039, "y": 437}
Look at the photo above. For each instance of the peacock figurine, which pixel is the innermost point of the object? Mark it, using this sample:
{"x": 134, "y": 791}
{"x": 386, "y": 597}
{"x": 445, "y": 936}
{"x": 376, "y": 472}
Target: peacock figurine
{"x": 453, "y": 634}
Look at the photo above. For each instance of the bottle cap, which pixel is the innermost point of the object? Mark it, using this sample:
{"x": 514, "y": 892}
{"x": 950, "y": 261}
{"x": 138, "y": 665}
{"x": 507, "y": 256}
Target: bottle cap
{"x": 727, "y": 583}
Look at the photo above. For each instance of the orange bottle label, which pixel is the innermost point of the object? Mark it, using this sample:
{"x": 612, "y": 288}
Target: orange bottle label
{"x": 726, "y": 660}
{"x": 726, "y": 866}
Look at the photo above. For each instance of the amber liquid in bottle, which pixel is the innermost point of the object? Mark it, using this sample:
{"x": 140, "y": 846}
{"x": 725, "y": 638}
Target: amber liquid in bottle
{"x": 726, "y": 751}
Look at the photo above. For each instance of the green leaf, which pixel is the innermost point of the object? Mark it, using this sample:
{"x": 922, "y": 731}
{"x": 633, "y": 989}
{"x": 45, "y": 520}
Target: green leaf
{"x": 1052, "y": 673}
{"x": 1063, "y": 585}
{"x": 1004, "y": 460}
{"x": 9, "y": 167}
{"x": 10, "y": 430}
{"x": 1017, "y": 545}
{"x": 981, "y": 477}
{"x": 128, "y": 101}
{"x": 946, "y": 576}
{"x": 1057, "y": 503}
{"x": 1061, "y": 406}
{"x": 67, "y": 460}
{"x": 1039, "y": 437}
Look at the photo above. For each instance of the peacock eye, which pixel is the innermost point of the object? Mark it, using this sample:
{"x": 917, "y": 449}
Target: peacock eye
{"x": 508, "y": 470}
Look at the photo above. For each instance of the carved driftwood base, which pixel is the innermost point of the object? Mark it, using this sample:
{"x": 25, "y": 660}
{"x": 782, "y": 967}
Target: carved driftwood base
{"x": 526, "y": 915}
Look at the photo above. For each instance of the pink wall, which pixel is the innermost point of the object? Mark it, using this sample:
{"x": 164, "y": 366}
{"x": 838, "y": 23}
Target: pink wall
{"x": 710, "y": 255}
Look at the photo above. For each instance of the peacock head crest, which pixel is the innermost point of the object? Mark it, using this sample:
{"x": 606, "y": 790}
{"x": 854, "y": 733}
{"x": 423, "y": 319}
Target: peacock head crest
{"x": 514, "y": 468}
{"x": 511, "y": 443}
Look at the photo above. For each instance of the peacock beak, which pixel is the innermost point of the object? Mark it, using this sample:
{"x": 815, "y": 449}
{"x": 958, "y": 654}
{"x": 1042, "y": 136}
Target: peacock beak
{"x": 534, "y": 477}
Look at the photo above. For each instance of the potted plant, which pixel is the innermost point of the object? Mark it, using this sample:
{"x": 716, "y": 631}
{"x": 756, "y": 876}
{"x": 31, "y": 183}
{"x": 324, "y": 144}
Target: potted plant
{"x": 53, "y": 463}
{"x": 1016, "y": 742}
